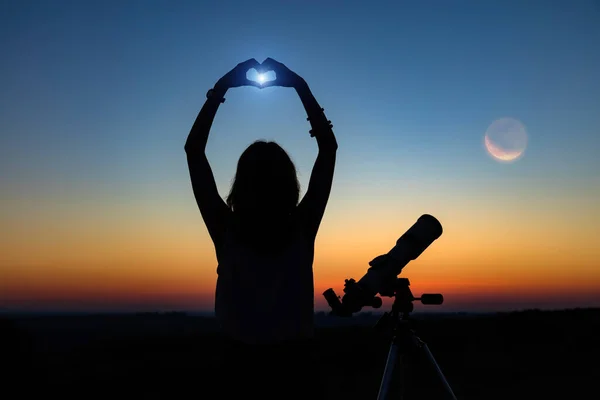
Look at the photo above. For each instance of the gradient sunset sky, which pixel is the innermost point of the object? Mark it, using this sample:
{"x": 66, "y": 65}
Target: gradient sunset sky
{"x": 97, "y": 99}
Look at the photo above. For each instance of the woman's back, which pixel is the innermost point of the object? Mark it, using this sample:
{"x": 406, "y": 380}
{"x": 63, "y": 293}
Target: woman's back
{"x": 265, "y": 290}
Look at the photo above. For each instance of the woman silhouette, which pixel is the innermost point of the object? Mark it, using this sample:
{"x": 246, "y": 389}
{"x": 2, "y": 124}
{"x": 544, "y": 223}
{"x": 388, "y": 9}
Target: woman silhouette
{"x": 264, "y": 240}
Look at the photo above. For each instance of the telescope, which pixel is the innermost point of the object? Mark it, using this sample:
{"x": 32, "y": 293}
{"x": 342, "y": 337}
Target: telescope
{"x": 384, "y": 269}
{"x": 382, "y": 279}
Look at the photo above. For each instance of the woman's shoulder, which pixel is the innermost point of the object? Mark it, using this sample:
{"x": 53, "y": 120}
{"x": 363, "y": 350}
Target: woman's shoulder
{"x": 302, "y": 226}
{"x": 265, "y": 236}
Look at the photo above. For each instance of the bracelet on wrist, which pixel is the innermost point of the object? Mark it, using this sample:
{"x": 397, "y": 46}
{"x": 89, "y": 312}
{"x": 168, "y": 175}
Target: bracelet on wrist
{"x": 322, "y": 123}
{"x": 212, "y": 95}
{"x": 320, "y": 128}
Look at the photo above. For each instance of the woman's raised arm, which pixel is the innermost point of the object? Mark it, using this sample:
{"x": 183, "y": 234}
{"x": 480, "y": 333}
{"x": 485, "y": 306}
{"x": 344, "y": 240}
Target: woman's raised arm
{"x": 313, "y": 204}
{"x": 212, "y": 207}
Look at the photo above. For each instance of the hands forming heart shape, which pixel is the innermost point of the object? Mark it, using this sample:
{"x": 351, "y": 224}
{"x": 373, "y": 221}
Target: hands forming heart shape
{"x": 238, "y": 76}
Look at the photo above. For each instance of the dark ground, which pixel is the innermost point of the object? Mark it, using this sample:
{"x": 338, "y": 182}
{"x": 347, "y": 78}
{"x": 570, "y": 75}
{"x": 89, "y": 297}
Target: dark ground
{"x": 524, "y": 355}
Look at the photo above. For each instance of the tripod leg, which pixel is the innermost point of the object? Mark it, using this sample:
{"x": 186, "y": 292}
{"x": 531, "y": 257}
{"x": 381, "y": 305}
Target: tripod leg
{"x": 423, "y": 346}
{"x": 388, "y": 373}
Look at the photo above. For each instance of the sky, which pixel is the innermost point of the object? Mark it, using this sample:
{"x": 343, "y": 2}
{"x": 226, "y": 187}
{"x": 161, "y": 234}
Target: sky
{"x": 97, "y": 100}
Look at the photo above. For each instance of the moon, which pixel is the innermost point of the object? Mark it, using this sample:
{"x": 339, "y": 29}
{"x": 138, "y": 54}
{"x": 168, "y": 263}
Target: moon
{"x": 505, "y": 140}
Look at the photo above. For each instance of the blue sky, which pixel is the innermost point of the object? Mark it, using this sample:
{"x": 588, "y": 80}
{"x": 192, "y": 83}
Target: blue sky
{"x": 97, "y": 80}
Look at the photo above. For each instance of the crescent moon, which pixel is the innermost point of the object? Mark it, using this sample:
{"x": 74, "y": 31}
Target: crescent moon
{"x": 500, "y": 154}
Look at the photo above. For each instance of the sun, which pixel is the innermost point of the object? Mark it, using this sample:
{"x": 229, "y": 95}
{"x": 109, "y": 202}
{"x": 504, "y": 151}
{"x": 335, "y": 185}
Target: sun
{"x": 261, "y": 78}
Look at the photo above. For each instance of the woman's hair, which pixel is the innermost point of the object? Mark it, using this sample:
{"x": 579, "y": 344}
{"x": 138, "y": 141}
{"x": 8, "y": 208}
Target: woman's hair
{"x": 265, "y": 182}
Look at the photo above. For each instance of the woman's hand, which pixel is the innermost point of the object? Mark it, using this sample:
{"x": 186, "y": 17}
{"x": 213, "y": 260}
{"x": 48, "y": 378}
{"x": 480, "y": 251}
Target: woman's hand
{"x": 237, "y": 76}
{"x": 285, "y": 76}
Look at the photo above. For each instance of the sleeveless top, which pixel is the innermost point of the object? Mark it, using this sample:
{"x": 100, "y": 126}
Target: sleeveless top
{"x": 265, "y": 298}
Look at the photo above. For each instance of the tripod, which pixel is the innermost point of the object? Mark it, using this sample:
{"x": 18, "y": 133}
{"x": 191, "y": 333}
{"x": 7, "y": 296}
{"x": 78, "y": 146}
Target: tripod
{"x": 404, "y": 339}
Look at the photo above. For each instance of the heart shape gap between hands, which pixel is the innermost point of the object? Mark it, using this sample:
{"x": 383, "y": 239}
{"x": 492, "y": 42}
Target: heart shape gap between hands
{"x": 260, "y": 77}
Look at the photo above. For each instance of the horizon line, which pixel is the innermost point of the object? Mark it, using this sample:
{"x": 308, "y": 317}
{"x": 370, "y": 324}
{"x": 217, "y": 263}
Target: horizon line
{"x": 316, "y": 313}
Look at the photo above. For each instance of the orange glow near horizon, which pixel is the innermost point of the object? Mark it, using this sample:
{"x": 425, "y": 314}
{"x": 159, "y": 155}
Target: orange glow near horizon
{"x": 503, "y": 260}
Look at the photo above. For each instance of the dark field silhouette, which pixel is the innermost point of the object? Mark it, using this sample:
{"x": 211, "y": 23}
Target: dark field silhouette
{"x": 521, "y": 355}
